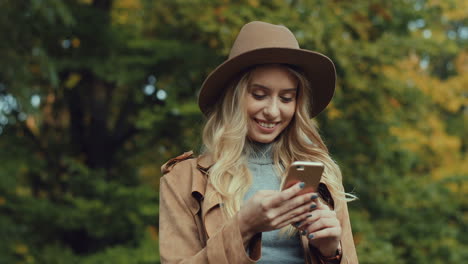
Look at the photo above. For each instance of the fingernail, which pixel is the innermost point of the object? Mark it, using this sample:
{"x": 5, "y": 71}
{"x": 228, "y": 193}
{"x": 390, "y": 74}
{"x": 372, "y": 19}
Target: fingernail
{"x": 311, "y": 236}
{"x": 309, "y": 216}
{"x": 312, "y": 206}
{"x": 297, "y": 224}
{"x": 303, "y": 232}
{"x": 302, "y": 185}
{"x": 313, "y": 197}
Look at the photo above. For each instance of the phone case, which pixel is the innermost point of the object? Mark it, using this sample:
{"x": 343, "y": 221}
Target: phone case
{"x": 308, "y": 172}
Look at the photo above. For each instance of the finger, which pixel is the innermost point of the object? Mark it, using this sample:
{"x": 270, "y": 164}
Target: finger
{"x": 334, "y": 232}
{"x": 262, "y": 194}
{"x": 314, "y": 216}
{"x": 298, "y": 201}
{"x": 297, "y": 219}
{"x": 322, "y": 223}
{"x": 321, "y": 210}
{"x": 320, "y": 213}
{"x": 293, "y": 210}
{"x": 321, "y": 204}
{"x": 285, "y": 195}
{"x": 314, "y": 195}
{"x": 301, "y": 221}
{"x": 267, "y": 192}
{"x": 297, "y": 214}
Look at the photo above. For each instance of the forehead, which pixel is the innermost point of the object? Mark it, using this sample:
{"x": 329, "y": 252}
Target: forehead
{"x": 273, "y": 76}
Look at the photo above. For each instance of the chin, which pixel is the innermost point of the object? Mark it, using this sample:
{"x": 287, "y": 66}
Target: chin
{"x": 264, "y": 141}
{"x": 261, "y": 139}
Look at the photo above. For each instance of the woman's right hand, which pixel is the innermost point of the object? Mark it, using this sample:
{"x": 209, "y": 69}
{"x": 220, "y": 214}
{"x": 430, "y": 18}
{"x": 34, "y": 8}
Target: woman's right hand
{"x": 270, "y": 210}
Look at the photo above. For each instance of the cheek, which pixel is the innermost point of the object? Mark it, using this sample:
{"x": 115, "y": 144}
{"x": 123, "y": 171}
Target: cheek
{"x": 253, "y": 107}
{"x": 289, "y": 112}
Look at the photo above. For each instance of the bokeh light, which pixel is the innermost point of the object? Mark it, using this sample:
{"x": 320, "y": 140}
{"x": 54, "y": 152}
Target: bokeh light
{"x": 424, "y": 63}
{"x": 161, "y": 95}
{"x": 8, "y": 104}
{"x": 149, "y": 89}
{"x": 416, "y": 24}
{"x": 35, "y": 100}
{"x": 22, "y": 116}
{"x": 66, "y": 43}
{"x": 463, "y": 32}
{"x": 3, "y": 120}
{"x": 451, "y": 34}
{"x": 427, "y": 33}
{"x": 152, "y": 79}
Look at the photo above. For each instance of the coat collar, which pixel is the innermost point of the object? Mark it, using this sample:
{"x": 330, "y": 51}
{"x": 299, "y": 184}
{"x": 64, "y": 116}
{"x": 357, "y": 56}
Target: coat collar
{"x": 200, "y": 183}
{"x": 205, "y": 161}
{"x": 210, "y": 199}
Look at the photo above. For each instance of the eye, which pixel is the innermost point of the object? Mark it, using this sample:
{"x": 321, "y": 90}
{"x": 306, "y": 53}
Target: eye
{"x": 287, "y": 99}
{"x": 258, "y": 96}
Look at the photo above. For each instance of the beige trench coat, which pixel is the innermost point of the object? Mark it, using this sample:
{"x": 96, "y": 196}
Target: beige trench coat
{"x": 193, "y": 229}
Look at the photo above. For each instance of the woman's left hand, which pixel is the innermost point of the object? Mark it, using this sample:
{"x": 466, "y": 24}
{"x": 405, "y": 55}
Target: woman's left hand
{"x": 323, "y": 229}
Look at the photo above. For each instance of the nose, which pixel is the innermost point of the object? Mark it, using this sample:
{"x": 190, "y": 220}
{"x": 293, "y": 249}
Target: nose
{"x": 271, "y": 110}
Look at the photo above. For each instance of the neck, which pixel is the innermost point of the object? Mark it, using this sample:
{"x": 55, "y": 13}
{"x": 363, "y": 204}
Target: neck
{"x": 260, "y": 153}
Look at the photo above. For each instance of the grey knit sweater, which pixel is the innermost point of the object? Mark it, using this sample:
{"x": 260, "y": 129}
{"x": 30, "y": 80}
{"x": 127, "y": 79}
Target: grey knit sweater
{"x": 276, "y": 248}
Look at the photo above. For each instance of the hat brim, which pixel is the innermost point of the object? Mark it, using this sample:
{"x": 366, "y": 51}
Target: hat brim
{"x": 318, "y": 69}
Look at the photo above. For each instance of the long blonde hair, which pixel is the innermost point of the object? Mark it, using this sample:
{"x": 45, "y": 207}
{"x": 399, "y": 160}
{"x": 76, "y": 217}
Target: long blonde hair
{"x": 225, "y": 139}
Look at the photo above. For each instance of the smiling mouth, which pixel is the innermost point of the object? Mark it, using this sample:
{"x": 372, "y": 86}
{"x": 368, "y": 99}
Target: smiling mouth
{"x": 266, "y": 124}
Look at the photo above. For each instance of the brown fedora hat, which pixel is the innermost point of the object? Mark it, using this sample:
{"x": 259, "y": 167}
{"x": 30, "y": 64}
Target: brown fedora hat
{"x": 263, "y": 43}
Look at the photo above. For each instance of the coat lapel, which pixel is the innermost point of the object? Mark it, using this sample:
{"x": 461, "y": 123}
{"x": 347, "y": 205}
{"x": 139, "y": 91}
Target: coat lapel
{"x": 211, "y": 202}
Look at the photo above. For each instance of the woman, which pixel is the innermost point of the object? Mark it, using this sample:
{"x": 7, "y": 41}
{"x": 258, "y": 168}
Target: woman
{"x": 224, "y": 206}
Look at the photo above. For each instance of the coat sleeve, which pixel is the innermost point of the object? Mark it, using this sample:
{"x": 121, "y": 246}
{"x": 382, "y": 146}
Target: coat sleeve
{"x": 340, "y": 206}
{"x": 347, "y": 242}
{"x": 179, "y": 234}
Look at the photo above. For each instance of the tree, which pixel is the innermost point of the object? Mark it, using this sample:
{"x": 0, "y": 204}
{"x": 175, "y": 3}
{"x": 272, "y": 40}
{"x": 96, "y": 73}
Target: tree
{"x": 96, "y": 94}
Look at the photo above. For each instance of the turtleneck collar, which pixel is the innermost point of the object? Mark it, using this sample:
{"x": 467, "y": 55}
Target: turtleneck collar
{"x": 260, "y": 153}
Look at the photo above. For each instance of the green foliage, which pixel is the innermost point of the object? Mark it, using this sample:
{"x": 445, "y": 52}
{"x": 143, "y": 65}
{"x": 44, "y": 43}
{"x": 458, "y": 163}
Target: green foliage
{"x": 117, "y": 83}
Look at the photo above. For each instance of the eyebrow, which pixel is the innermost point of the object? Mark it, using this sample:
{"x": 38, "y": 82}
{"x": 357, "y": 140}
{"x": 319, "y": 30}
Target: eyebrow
{"x": 265, "y": 87}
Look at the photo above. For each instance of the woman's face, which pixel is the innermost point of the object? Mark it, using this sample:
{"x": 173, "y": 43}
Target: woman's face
{"x": 271, "y": 102}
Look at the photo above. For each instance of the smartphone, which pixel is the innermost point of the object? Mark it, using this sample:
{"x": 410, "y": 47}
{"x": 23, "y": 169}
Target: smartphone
{"x": 309, "y": 172}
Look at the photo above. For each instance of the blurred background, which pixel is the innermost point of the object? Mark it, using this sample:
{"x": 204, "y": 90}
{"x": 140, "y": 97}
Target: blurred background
{"x": 95, "y": 95}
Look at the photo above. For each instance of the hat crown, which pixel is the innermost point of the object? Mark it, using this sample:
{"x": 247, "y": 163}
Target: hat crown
{"x": 258, "y": 35}
{"x": 262, "y": 43}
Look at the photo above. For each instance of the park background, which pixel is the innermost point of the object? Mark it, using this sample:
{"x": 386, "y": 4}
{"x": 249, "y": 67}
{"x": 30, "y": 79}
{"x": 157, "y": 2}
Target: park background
{"x": 95, "y": 95}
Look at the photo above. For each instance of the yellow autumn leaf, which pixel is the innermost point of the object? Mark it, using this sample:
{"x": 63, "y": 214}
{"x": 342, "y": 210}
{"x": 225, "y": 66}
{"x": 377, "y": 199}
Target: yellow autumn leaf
{"x": 128, "y": 4}
{"x": 21, "y": 249}
{"x": 88, "y": 2}
{"x": 254, "y": 3}
{"x": 153, "y": 232}
{"x": 32, "y": 125}
{"x": 23, "y": 191}
{"x": 448, "y": 94}
{"x": 75, "y": 42}
{"x": 333, "y": 112}
{"x": 453, "y": 10}
{"x": 72, "y": 80}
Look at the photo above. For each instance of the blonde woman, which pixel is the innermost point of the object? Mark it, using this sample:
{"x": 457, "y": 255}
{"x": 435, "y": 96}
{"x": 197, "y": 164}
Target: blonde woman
{"x": 225, "y": 205}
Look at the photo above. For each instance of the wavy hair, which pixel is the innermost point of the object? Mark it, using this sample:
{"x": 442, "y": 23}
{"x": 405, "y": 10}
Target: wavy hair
{"x": 225, "y": 139}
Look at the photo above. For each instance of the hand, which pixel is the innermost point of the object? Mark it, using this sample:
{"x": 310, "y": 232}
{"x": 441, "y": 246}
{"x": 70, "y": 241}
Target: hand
{"x": 323, "y": 229}
{"x": 270, "y": 210}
